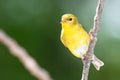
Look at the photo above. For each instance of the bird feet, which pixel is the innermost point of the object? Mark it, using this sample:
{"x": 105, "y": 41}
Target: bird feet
{"x": 90, "y": 33}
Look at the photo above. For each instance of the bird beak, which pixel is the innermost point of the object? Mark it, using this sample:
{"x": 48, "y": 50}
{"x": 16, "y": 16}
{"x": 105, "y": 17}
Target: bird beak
{"x": 62, "y": 21}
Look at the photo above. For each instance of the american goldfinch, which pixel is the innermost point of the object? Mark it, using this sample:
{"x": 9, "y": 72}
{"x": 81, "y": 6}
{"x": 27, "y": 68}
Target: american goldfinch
{"x": 76, "y": 39}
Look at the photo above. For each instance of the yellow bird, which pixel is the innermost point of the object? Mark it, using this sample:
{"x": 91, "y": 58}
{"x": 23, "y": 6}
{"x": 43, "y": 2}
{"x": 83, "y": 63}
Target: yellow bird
{"x": 76, "y": 39}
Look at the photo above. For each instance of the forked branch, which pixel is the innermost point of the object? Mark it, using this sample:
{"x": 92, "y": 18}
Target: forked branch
{"x": 93, "y": 34}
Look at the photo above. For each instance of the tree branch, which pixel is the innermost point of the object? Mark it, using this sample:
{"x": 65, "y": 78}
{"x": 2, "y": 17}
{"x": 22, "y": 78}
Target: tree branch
{"x": 29, "y": 62}
{"x": 93, "y": 34}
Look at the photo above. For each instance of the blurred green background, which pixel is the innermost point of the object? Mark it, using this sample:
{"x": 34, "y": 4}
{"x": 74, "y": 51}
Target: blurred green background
{"x": 34, "y": 24}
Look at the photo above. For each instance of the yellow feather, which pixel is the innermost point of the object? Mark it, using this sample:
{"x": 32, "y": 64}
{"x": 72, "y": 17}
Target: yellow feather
{"x": 73, "y": 36}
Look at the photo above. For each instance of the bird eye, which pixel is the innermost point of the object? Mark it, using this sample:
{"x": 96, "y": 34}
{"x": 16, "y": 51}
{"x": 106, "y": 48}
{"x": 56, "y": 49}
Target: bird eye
{"x": 70, "y": 19}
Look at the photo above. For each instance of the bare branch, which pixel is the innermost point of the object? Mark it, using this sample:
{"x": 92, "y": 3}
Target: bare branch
{"x": 93, "y": 34}
{"x": 29, "y": 62}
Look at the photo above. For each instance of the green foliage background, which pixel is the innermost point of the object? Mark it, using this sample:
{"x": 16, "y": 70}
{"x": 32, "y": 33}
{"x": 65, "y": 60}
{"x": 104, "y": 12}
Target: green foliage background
{"x": 34, "y": 24}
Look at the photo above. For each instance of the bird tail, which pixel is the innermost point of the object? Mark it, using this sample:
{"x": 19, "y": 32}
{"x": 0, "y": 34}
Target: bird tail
{"x": 97, "y": 62}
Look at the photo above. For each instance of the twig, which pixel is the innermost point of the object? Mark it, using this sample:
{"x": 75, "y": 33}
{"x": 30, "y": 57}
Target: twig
{"x": 29, "y": 62}
{"x": 93, "y": 33}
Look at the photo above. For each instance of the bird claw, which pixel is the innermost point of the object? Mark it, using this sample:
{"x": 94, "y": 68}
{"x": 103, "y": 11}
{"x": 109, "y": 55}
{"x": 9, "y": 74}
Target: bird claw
{"x": 90, "y": 33}
{"x": 84, "y": 57}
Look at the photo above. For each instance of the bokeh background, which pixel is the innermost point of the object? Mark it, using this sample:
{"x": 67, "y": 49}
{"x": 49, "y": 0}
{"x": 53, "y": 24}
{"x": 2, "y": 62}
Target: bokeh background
{"x": 34, "y": 24}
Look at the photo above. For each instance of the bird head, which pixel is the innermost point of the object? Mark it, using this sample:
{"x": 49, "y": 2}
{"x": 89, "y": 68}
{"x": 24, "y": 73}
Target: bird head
{"x": 69, "y": 19}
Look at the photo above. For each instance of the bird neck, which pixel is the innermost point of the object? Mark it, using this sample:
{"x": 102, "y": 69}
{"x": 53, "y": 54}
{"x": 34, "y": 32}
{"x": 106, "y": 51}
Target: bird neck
{"x": 71, "y": 28}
